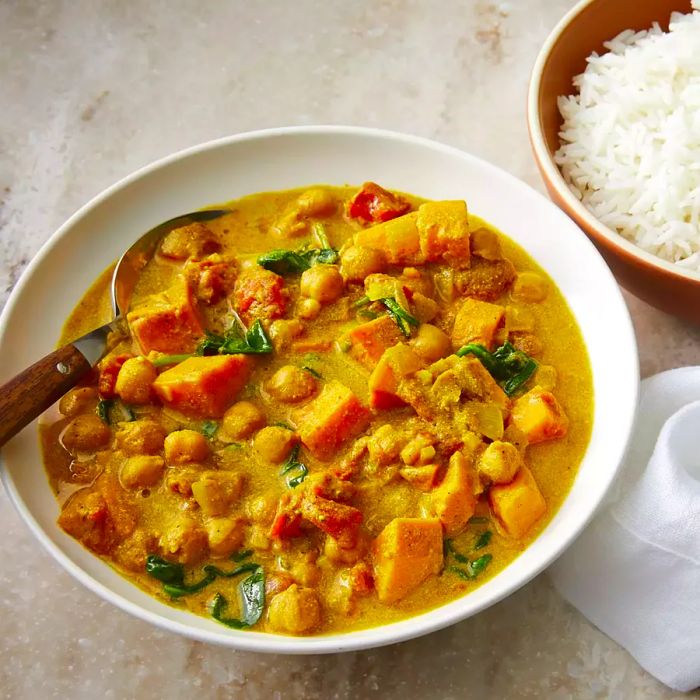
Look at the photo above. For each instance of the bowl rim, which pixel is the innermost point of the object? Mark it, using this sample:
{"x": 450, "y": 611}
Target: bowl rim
{"x": 372, "y": 637}
{"x": 554, "y": 178}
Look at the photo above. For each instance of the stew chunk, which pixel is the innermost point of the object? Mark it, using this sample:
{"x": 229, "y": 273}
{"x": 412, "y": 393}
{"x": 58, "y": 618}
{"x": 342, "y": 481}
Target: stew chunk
{"x": 406, "y": 552}
{"x": 539, "y": 415}
{"x": 203, "y": 386}
{"x": 518, "y": 505}
{"x": 334, "y": 416}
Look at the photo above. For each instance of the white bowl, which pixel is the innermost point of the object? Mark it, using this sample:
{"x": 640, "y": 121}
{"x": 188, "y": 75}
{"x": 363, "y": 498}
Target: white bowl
{"x": 291, "y": 157}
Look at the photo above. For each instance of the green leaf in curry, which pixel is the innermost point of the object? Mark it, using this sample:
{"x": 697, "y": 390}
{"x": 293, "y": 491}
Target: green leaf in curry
{"x": 240, "y": 556}
{"x": 483, "y": 540}
{"x": 172, "y": 575}
{"x": 401, "y": 317}
{"x": 252, "y": 595}
{"x": 165, "y": 360}
{"x": 209, "y": 428}
{"x": 312, "y": 371}
{"x": 510, "y": 367}
{"x": 254, "y": 341}
{"x": 294, "y": 262}
{"x": 114, "y": 411}
{"x": 294, "y": 470}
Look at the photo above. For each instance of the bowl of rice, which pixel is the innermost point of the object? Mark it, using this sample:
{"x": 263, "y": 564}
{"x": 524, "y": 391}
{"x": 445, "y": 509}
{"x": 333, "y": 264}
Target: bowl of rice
{"x": 614, "y": 121}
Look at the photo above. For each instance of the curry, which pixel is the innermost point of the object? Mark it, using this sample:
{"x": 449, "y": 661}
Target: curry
{"x": 328, "y": 410}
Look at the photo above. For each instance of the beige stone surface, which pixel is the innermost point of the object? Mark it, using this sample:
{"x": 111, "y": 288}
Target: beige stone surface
{"x": 91, "y": 90}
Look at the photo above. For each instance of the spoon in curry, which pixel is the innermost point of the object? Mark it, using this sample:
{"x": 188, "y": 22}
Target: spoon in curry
{"x": 33, "y": 390}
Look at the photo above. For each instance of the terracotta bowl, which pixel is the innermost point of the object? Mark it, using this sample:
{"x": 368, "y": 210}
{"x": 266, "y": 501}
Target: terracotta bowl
{"x": 563, "y": 56}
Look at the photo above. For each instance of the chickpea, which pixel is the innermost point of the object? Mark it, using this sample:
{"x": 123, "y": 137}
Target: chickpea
{"x": 135, "y": 380}
{"x": 322, "y": 283}
{"x": 485, "y": 244}
{"x": 308, "y": 309}
{"x": 290, "y": 384}
{"x": 140, "y": 437}
{"x": 283, "y": 331}
{"x": 338, "y": 555}
{"x": 141, "y": 471}
{"x": 529, "y": 287}
{"x": 295, "y": 610}
{"x": 316, "y": 202}
{"x": 274, "y": 443}
{"x": 431, "y": 343}
{"x": 500, "y": 462}
{"x": 242, "y": 420}
{"x": 85, "y": 433}
{"x": 82, "y": 400}
{"x": 186, "y": 541}
{"x": 357, "y": 262}
{"x": 183, "y": 446}
{"x": 225, "y": 535}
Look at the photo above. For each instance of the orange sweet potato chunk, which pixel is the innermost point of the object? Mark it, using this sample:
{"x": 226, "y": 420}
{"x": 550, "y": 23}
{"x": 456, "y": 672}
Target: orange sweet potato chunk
{"x": 539, "y": 415}
{"x": 453, "y": 502}
{"x": 396, "y": 363}
{"x": 334, "y": 416}
{"x": 167, "y": 322}
{"x": 519, "y": 504}
{"x": 203, "y": 387}
{"x": 370, "y": 340}
{"x": 476, "y": 322}
{"x": 443, "y": 228}
{"x": 406, "y": 552}
{"x": 398, "y": 239}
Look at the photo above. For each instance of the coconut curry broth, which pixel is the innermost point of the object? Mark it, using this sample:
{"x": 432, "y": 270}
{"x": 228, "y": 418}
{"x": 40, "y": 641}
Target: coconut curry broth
{"x": 340, "y": 516}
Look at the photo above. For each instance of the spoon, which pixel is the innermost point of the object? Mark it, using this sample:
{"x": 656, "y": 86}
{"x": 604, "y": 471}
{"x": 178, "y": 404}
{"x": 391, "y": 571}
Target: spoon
{"x": 33, "y": 390}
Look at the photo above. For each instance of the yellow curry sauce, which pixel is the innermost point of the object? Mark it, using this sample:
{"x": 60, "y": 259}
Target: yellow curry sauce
{"x": 361, "y": 472}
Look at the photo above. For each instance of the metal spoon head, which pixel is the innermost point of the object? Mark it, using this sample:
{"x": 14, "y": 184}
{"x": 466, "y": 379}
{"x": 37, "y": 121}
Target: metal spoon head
{"x": 128, "y": 269}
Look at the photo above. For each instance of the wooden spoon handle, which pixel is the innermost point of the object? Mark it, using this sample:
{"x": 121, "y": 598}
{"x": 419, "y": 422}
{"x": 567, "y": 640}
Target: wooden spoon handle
{"x": 33, "y": 390}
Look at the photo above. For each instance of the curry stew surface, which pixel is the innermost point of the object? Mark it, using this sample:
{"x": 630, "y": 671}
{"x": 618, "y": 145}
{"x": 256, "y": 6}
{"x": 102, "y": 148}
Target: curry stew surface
{"x": 349, "y": 466}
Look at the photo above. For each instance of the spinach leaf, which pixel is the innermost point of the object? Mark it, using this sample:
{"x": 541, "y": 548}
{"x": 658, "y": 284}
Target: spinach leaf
{"x": 449, "y": 548}
{"x": 473, "y": 568}
{"x": 510, "y": 367}
{"x": 483, "y": 540}
{"x": 294, "y": 262}
{"x": 211, "y": 573}
{"x": 252, "y": 593}
{"x": 114, "y": 411}
{"x": 164, "y": 571}
{"x": 402, "y": 318}
{"x": 294, "y": 470}
{"x": 254, "y": 342}
{"x": 362, "y": 301}
{"x": 209, "y": 428}
{"x": 284, "y": 262}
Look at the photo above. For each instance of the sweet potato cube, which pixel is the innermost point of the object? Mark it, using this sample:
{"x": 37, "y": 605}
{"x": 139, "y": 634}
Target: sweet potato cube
{"x": 370, "y": 340}
{"x": 398, "y": 239}
{"x": 476, "y": 322}
{"x": 204, "y": 387}
{"x": 443, "y": 228}
{"x": 334, "y": 416}
{"x": 539, "y": 415}
{"x": 167, "y": 322}
{"x": 395, "y": 364}
{"x": 453, "y": 502}
{"x": 518, "y": 505}
{"x": 406, "y": 552}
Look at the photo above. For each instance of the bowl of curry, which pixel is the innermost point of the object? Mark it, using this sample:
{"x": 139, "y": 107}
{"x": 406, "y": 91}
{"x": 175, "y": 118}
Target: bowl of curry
{"x": 340, "y": 415}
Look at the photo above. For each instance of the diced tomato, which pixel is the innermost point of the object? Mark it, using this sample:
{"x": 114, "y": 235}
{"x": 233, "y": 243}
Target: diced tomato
{"x": 108, "y": 374}
{"x": 374, "y": 204}
{"x": 369, "y": 340}
{"x": 286, "y": 525}
{"x": 340, "y": 521}
{"x": 260, "y": 293}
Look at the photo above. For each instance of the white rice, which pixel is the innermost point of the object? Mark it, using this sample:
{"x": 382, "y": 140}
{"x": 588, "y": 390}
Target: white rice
{"x": 631, "y": 138}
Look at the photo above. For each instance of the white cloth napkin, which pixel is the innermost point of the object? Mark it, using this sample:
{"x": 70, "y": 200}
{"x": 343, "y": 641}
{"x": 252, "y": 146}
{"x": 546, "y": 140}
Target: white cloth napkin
{"x": 635, "y": 571}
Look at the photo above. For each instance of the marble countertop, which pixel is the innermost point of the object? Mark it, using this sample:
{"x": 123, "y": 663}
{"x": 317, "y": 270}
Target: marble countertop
{"x": 93, "y": 90}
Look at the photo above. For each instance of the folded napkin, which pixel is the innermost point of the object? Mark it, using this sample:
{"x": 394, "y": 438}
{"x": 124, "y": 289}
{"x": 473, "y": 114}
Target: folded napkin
{"x": 635, "y": 571}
